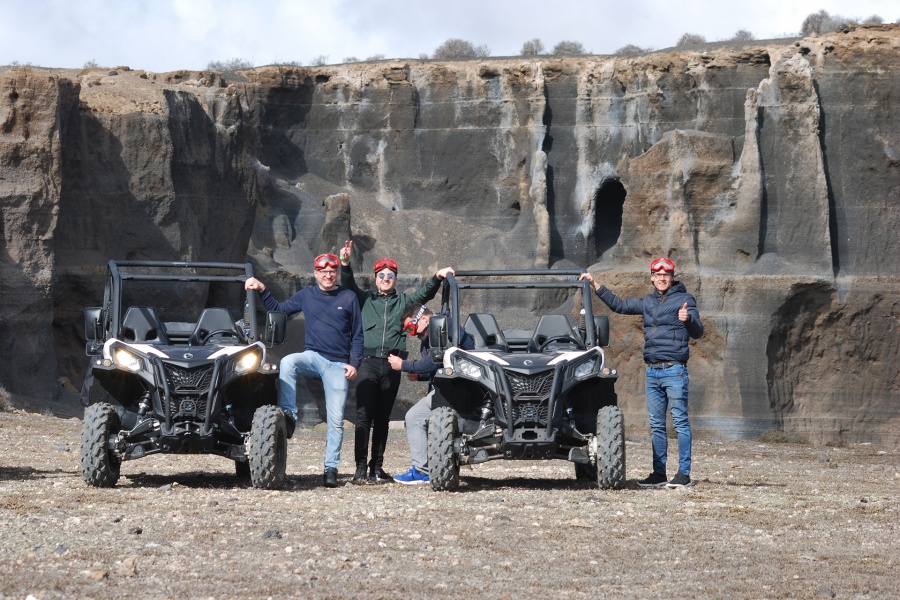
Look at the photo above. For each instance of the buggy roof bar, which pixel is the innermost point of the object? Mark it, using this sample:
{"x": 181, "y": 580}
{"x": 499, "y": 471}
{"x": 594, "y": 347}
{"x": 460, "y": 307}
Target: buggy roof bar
{"x": 115, "y": 268}
{"x": 514, "y": 272}
{"x": 501, "y": 285}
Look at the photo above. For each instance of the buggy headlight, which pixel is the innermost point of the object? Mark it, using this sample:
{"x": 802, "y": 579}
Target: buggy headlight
{"x": 585, "y": 369}
{"x": 248, "y": 361}
{"x": 126, "y": 360}
{"x": 469, "y": 369}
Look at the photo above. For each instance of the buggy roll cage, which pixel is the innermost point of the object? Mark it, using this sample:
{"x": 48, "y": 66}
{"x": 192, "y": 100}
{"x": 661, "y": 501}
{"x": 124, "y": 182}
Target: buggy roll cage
{"x": 112, "y": 305}
{"x": 450, "y": 291}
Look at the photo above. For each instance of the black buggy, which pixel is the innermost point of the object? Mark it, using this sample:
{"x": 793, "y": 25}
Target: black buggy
{"x": 523, "y": 394}
{"x": 178, "y": 365}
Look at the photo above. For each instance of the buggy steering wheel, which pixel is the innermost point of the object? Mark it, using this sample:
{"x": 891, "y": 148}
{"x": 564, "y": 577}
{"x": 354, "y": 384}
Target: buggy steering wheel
{"x": 561, "y": 338}
{"x": 229, "y": 332}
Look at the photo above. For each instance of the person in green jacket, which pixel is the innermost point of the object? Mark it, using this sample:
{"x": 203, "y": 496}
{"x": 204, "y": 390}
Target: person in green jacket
{"x": 376, "y": 382}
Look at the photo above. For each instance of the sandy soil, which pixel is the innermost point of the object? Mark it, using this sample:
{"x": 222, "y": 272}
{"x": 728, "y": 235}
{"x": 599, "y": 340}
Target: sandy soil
{"x": 764, "y": 521}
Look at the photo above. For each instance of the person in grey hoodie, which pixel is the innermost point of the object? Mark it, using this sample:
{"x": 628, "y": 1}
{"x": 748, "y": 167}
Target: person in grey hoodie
{"x": 670, "y": 318}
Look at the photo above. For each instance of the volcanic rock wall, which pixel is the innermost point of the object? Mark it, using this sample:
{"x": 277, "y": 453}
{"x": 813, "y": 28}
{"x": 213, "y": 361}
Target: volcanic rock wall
{"x": 768, "y": 172}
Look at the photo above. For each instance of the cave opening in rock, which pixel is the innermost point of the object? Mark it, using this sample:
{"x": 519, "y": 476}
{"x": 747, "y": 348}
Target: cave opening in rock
{"x": 608, "y": 203}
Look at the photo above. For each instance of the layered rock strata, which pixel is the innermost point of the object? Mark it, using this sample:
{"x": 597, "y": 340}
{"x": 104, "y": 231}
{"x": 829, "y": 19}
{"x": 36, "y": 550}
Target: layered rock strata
{"x": 768, "y": 172}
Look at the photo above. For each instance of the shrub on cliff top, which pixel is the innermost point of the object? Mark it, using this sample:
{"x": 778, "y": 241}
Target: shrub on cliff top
{"x": 568, "y": 48}
{"x": 457, "y": 48}
{"x": 534, "y": 47}
{"x": 742, "y": 35}
{"x": 690, "y": 40}
{"x": 232, "y": 64}
{"x": 632, "y": 50}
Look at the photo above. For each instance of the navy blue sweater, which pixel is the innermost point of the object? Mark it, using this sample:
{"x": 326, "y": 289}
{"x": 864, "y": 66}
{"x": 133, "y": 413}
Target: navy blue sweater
{"x": 333, "y": 321}
{"x": 665, "y": 337}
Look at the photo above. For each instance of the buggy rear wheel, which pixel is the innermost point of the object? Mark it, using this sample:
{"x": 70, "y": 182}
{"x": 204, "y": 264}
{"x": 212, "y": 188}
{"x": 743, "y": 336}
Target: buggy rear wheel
{"x": 99, "y": 465}
{"x": 610, "y": 448}
{"x": 267, "y": 454}
{"x": 443, "y": 468}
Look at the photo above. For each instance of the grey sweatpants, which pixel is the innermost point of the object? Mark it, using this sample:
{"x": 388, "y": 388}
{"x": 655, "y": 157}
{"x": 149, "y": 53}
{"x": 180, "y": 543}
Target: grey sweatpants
{"x": 417, "y": 432}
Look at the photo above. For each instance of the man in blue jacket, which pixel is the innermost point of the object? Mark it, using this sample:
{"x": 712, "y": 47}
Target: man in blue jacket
{"x": 334, "y": 346}
{"x": 415, "y": 321}
{"x": 670, "y": 318}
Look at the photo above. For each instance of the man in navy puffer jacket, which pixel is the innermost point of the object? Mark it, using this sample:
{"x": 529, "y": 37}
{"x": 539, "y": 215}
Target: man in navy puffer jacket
{"x": 670, "y": 318}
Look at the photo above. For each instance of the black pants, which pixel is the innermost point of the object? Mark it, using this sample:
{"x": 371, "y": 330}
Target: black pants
{"x": 376, "y": 390}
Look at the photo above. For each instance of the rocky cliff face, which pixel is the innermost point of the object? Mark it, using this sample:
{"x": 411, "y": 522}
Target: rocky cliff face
{"x": 768, "y": 172}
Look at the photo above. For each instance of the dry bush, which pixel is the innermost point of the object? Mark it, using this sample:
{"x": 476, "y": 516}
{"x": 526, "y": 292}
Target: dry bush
{"x": 5, "y": 400}
{"x": 533, "y": 47}
{"x": 457, "y": 48}
{"x": 632, "y": 50}
{"x": 568, "y": 48}
{"x": 690, "y": 40}
{"x": 232, "y": 64}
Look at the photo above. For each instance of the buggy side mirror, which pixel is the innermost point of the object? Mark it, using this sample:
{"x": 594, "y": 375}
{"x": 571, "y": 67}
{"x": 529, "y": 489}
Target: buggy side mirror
{"x": 276, "y": 326}
{"x": 601, "y": 326}
{"x": 93, "y": 331}
{"x": 438, "y": 339}
{"x": 92, "y": 323}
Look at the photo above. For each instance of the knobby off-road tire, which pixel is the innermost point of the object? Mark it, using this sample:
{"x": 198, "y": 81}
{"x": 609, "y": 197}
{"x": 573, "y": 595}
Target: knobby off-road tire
{"x": 610, "y": 448}
{"x": 267, "y": 455}
{"x": 443, "y": 468}
{"x": 99, "y": 466}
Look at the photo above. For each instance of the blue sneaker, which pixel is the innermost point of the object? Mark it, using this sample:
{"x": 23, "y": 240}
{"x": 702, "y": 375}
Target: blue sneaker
{"x": 412, "y": 477}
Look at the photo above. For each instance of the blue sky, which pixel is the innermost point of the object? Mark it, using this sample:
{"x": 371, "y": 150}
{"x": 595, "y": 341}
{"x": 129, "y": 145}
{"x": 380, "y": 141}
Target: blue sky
{"x": 165, "y": 35}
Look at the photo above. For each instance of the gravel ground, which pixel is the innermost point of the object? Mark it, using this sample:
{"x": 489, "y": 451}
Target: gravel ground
{"x": 763, "y": 521}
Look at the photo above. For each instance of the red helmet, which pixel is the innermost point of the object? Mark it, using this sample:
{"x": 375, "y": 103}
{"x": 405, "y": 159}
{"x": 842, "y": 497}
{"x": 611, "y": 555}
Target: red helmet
{"x": 385, "y": 263}
{"x": 662, "y": 263}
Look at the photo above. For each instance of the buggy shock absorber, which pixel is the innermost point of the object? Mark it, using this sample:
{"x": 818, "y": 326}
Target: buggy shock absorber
{"x": 144, "y": 403}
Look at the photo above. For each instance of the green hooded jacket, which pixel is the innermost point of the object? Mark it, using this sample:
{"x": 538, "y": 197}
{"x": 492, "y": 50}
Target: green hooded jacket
{"x": 382, "y": 329}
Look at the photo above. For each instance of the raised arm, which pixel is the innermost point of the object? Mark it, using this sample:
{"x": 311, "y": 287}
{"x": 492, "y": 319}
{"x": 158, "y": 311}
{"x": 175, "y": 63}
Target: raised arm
{"x": 347, "y": 278}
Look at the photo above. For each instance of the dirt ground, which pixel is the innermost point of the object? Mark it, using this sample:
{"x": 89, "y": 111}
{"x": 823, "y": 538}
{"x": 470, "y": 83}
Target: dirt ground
{"x": 765, "y": 520}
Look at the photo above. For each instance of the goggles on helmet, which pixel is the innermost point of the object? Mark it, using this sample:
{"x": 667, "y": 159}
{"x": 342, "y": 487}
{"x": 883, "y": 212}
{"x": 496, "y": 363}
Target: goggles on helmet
{"x": 662, "y": 264}
{"x": 410, "y": 328}
{"x": 326, "y": 260}
{"x": 385, "y": 263}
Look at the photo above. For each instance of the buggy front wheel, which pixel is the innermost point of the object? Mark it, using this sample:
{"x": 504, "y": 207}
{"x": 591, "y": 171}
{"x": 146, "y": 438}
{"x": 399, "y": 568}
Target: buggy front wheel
{"x": 267, "y": 452}
{"x": 610, "y": 448}
{"x": 443, "y": 467}
{"x": 99, "y": 465}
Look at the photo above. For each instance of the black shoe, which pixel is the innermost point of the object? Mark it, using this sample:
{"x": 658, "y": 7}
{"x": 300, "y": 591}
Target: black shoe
{"x": 330, "y": 477}
{"x": 654, "y": 480}
{"x": 290, "y": 423}
{"x": 680, "y": 480}
{"x": 379, "y": 476}
{"x": 359, "y": 478}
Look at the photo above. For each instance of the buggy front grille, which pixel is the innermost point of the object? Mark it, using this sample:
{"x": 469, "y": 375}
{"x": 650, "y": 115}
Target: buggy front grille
{"x": 531, "y": 397}
{"x": 188, "y": 391}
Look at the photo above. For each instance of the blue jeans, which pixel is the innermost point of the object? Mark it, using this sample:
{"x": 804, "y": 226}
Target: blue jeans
{"x": 668, "y": 388}
{"x": 312, "y": 364}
